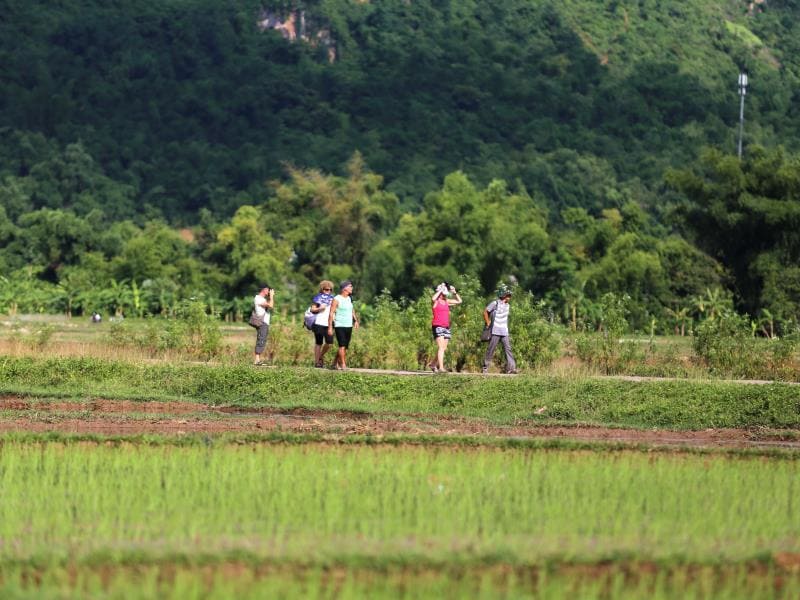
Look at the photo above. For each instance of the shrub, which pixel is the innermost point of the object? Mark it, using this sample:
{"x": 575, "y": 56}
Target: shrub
{"x": 536, "y": 341}
{"x": 725, "y": 344}
{"x": 43, "y": 336}
{"x": 288, "y": 342}
{"x": 782, "y": 356}
{"x": 393, "y": 336}
{"x": 607, "y": 349}
{"x": 192, "y": 331}
{"x": 201, "y": 335}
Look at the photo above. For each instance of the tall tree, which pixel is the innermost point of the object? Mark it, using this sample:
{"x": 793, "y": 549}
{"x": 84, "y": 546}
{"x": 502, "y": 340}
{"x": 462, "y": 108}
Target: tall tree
{"x": 747, "y": 214}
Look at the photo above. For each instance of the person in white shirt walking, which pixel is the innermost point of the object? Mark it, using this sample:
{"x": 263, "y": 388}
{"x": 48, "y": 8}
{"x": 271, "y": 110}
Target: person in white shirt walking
{"x": 496, "y": 316}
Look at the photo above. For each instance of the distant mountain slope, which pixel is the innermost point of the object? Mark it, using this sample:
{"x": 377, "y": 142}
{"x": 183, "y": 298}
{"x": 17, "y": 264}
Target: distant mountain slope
{"x": 191, "y": 101}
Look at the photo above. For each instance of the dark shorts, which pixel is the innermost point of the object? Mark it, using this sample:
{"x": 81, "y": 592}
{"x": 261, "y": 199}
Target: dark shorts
{"x": 441, "y": 332}
{"x": 343, "y": 335}
{"x": 261, "y": 338}
{"x": 321, "y": 334}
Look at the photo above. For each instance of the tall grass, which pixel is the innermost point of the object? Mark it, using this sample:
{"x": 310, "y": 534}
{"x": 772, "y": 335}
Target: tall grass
{"x": 348, "y": 505}
{"x": 397, "y": 335}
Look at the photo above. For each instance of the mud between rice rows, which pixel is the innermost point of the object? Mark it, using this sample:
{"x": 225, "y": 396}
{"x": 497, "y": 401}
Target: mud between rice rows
{"x": 123, "y": 417}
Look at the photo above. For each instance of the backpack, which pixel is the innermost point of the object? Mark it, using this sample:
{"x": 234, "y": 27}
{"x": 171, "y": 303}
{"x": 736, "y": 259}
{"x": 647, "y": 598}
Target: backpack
{"x": 308, "y": 319}
{"x": 255, "y": 320}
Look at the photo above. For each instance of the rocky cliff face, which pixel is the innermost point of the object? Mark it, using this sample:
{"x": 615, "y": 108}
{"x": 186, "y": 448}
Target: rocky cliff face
{"x": 296, "y": 25}
{"x": 756, "y": 5}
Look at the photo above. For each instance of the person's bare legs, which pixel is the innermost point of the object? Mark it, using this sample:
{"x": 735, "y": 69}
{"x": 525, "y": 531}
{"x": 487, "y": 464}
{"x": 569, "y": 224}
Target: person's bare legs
{"x": 317, "y": 354}
{"x": 441, "y": 345}
{"x": 340, "y": 358}
{"x": 323, "y": 351}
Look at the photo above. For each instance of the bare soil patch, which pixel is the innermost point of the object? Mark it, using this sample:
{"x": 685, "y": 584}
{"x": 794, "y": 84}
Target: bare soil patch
{"x": 99, "y": 406}
{"x": 124, "y": 417}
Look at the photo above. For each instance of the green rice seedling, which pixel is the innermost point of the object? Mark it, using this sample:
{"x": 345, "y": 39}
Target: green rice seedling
{"x": 383, "y": 505}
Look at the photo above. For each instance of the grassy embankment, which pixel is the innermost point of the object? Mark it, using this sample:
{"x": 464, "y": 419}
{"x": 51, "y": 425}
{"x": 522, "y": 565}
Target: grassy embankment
{"x": 503, "y": 400}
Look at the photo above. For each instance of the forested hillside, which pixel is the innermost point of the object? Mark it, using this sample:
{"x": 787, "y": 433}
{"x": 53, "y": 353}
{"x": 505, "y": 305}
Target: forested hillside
{"x": 161, "y": 148}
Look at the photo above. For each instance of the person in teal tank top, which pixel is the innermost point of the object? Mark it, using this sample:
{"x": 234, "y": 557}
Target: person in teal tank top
{"x": 342, "y": 320}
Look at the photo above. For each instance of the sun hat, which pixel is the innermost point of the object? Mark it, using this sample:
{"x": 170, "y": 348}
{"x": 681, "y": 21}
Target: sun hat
{"x": 503, "y": 291}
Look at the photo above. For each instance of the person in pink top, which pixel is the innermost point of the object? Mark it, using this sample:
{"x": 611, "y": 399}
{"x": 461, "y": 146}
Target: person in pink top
{"x": 440, "y": 325}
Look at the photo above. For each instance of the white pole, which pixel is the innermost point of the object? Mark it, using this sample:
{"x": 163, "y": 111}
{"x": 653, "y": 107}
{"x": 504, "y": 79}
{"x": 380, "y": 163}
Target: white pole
{"x": 742, "y": 94}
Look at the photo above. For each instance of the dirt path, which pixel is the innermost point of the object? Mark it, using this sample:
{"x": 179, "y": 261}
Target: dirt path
{"x": 113, "y": 417}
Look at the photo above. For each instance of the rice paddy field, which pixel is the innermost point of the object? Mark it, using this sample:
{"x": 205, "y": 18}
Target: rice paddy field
{"x": 126, "y": 477}
{"x": 121, "y": 518}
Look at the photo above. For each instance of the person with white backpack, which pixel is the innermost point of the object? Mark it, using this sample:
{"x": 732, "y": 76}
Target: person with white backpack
{"x": 321, "y": 308}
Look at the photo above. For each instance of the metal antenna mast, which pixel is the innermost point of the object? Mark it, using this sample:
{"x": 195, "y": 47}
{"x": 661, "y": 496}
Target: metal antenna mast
{"x": 742, "y": 94}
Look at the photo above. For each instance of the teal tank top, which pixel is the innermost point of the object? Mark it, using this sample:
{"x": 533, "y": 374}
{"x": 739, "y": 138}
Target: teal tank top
{"x": 344, "y": 312}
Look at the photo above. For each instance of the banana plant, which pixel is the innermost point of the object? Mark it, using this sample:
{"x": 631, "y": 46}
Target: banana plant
{"x": 767, "y": 323}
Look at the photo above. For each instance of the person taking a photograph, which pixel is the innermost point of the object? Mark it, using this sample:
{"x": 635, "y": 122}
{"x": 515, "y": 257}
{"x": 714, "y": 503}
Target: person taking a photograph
{"x": 263, "y": 304}
{"x": 440, "y": 323}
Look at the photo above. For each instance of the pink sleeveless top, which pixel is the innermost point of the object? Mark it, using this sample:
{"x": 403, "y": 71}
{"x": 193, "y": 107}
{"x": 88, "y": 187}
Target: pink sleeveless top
{"x": 441, "y": 314}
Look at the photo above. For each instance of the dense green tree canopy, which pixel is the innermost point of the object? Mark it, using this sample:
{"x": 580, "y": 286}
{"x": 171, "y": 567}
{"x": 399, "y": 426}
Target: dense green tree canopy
{"x": 161, "y": 149}
{"x": 747, "y": 214}
{"x": 185, "y": 104}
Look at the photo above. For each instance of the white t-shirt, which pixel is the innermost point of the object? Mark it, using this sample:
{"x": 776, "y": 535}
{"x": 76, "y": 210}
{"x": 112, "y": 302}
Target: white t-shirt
{"x": 259, "y": 303}
{"x": 323, "y": 300}
{"x": 501, "y": 310}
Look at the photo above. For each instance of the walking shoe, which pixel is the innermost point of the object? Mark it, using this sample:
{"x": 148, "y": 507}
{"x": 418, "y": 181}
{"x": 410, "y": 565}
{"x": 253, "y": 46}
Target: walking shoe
{"x": 512, "y": 372}
{"x": 484, "y": 371}
{"x": 319, "y": 365}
